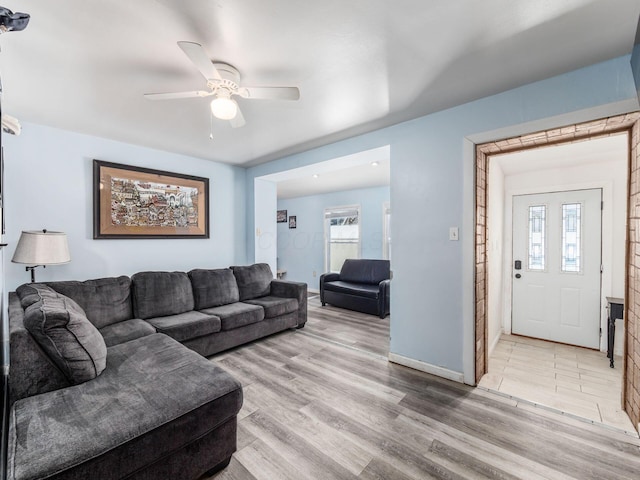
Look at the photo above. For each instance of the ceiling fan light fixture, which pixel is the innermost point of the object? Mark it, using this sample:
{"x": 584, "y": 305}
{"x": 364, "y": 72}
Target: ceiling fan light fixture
{"x": 224, "y": 108}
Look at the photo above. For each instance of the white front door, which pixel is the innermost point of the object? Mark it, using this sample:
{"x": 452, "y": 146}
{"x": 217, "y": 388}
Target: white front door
{"x": 556, "y": 266}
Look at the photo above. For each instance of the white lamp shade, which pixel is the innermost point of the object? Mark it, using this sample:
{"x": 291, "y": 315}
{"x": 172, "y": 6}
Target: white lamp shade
{"x": 38, "y": 247}
{"x": 224, "y": 108}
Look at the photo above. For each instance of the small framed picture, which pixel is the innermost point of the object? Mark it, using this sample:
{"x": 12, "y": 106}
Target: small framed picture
{"x": 292, "y": 221}
{"x": 282, "y": 216}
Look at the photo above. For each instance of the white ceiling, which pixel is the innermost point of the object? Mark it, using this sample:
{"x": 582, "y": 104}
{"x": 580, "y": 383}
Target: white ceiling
{"x": 360, "y": 65}
{"x": 362, "y": 176}
{"x": 564, "y": 155}
{"x": 370, "y": 168}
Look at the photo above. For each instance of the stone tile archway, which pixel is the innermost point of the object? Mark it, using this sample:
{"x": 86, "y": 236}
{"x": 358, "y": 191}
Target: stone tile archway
{"x": 629, "y": 123}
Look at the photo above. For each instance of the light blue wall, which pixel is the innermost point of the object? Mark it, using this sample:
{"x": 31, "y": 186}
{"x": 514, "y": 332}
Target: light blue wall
{"x": 301, "y": 250}
{"x": 265, "y": 218}
{"x": 48, "y": 182}
{"x": 432, "y": 190}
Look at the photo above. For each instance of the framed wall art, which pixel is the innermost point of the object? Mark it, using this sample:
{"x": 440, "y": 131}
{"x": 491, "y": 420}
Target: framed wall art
{"x": 134, "y": 202}
{"x": 293, "y": 222}
{"x": 282, "y": 216}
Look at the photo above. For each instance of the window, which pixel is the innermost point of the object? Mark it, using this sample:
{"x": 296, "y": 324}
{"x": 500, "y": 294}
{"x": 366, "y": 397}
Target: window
{"x": 537, "y": 237}
{"x": 571, "y": 230}
{"x": 342, "y": 236}
{"x": 386, "y": 231}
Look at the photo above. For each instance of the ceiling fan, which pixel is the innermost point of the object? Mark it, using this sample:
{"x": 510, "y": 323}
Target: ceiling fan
{"x": 223, "y": 81}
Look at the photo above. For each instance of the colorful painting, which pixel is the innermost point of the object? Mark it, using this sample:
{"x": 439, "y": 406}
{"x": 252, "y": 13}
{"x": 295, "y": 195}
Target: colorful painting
{"x": 133, "y": 202}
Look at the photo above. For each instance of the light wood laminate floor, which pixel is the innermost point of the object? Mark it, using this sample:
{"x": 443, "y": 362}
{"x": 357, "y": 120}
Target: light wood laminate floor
{"x": 315, "y": 409}
{"x": 353, "y": 329}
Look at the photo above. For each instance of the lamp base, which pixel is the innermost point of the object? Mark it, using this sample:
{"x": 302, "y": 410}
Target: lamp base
{"x": 32, "y": 270}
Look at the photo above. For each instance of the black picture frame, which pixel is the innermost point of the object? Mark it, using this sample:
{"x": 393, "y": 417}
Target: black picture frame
{"x": 293, "y": 222}
{"x": 281, "y": 216}
{"x": 132, "y": 202}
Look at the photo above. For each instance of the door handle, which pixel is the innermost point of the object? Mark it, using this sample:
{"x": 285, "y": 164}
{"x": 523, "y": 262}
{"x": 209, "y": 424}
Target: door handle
{"x": 518, "y": 275}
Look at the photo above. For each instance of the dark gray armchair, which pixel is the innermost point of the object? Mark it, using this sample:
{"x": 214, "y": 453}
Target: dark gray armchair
{"x": 362, "y": 285}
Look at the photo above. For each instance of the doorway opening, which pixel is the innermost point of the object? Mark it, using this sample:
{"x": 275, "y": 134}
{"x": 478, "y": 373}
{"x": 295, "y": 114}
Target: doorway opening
{"x": 623, "y": 127}
{"x": 338, "y": 211}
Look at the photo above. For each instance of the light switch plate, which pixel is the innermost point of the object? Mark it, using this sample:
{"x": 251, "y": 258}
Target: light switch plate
{"x": 453, "y": 233}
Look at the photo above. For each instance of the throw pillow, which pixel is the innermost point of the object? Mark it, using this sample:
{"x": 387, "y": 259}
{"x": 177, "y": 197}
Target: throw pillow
{"x": 62, "y": 329}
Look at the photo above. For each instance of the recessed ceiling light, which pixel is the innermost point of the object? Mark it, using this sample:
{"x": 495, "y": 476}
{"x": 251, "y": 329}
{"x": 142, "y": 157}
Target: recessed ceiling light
{"x": 374, "y": 164}
{"x": 315, "y": 175}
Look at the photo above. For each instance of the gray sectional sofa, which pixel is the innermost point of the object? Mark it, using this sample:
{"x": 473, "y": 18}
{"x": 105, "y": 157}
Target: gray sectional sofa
{"x": 102, "y": 386}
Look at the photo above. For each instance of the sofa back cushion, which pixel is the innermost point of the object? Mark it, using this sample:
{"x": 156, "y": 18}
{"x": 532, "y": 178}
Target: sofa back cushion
{"x": 253, "y": 281}
{"x": 158, "y": 294}
{"x": 105, "y": 301}
{"x": 61, "y": 328}
{"x": 212, "y": 288}
{"x": 365, "y": 271}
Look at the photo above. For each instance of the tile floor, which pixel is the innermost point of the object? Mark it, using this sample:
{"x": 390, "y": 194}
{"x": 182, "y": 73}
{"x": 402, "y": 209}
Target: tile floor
{"x": 576, "y": 381}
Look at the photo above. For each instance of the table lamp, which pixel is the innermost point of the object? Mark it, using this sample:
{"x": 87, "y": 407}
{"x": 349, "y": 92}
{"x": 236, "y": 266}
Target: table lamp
{"x": 41, "y": 248}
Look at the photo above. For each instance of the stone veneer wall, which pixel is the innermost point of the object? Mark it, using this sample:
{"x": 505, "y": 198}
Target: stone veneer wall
{"x": 481, "y": 280}
{"x": 572, "y": 133}
{"x": 631, "y": 393}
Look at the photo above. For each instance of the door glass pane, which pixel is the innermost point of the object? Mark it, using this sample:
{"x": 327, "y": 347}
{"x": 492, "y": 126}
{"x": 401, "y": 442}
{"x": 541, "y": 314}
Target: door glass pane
{"x": 571, "y": 230}
{"x": 537, "y": 237}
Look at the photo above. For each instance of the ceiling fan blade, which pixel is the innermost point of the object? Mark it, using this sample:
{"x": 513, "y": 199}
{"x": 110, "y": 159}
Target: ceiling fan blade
{"x": 270, "y": 93}
{"x": 199, "y": 57}
{"x": 238, "y": 120}
{"x": 172, "y": 96}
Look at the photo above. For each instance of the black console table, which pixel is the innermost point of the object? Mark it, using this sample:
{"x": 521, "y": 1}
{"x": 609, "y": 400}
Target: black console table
{"x": 615, "y": 307}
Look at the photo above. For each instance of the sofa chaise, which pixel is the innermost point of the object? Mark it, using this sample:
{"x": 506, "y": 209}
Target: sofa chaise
{"x": 102, "y": 384}
{"x": 362, "y": 285}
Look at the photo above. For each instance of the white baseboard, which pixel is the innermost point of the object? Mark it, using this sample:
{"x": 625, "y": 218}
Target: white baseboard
{"x": 427, "y": 367}
{"x": 311, "y": 290}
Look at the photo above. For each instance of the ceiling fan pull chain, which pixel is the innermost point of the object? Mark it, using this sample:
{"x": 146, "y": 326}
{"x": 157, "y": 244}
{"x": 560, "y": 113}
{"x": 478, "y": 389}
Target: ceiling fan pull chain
{"x": 210, "y": 125}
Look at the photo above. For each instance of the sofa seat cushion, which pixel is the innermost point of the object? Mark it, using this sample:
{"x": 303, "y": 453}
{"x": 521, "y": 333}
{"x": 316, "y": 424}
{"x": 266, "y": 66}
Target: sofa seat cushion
{"x": 154, "y": 397}
{"x": 253, "y": 281}
{"x": 159, "y": 294}
{"x": 236, "y": 315}
{"x": 62, "y": 329}
{"x": 104, "y": 300}
{"x": 126, "y": 331}
{"x": 188, "y": 325}
{"x": 212, "y": 288}
{"x": 275, "y": 306}
{"x": 360, "y": 289}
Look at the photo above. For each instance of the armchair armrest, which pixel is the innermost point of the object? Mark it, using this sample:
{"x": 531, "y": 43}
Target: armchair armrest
{"x": 297, "y": 290}
{"x": 383, "y": 298}
{"x": 327, "y": 277}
